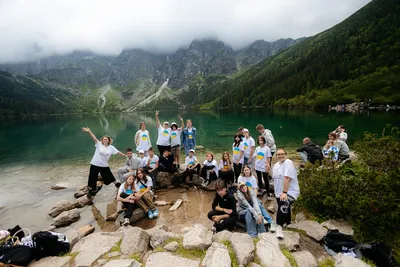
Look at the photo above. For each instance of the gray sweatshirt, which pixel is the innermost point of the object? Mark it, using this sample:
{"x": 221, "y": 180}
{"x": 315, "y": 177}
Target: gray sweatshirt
{"x": 342, "y": 147}
{"x": 132, "y": 163}
{"x": 245, "y": 205}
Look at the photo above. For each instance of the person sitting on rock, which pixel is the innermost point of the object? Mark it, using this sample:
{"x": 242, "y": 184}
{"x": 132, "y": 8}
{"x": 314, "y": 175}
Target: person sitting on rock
{"x": 127, "y": 198}
{"x": 143, "y": 197}
{"x": 223, "y": 212}
{"x": 249, "y": 210}
{"x": 192, "y": 166}
{"x": 167, "y": 162}
{"x": 209, "y": 171}
{"x": 130, "y": 167}
{"x": 225, "y": 169}
{"x": 344, "y": 151}
{"x": 152, "y": 165}
{"x": 142, "y": 159}
{"x": 310, "y": 152}
{"x": 330, "y": 151}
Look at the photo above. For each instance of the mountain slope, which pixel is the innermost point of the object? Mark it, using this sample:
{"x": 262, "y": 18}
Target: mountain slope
{"x": 356, "y": 60}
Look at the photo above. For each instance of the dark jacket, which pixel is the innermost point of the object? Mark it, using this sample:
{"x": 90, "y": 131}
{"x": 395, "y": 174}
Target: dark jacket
{"x": 313, "y": 151}
{"x": 166, "y": 162}
{"x": 226, "y": 202}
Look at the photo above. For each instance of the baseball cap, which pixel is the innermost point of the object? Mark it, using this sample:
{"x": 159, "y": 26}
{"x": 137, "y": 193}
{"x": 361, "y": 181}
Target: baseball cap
{"x": 192, "y": 150}
{"x": 174, "y": 123}
{"x": 245, "y": 130}
{"x": 141, "y": 152}
{"x": 166, "y": 122}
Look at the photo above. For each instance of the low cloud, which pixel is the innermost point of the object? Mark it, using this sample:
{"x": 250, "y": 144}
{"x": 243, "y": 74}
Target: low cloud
{"x": 33, "y": 29}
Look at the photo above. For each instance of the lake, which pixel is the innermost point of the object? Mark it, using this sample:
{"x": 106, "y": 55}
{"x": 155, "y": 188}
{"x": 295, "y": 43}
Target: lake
{"x": 60, "y": 139}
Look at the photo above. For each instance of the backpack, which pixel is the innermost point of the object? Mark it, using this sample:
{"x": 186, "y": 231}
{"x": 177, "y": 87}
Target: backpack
{"x": 379, "y": 253}
{"x": 16, "y": 255}
{"x": 335, "y": 241}
{"x": 49, "y": 244}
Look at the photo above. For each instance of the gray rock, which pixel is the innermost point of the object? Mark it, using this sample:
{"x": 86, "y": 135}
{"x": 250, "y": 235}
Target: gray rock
{"x": 159, "y": 236}
{"x": 67, "y": 217}
{"x": 171, "y": 246}
{"x": 83, "y": 201}
{"x": 62, "y": 205}
{"x": 135, "y": 240}
{"x": 114, "y": 254}
{"x": 197, "y": 238}
{"x": 210, "y": 186}
{"x": 153, "y": 230}
{"x": 52, "y": 262}
{"x": 60, "y": 186}
{"x": 217, "y": 256}
{"x": 253, "y": 264}
{"x": 92, "y": 247}
{"x": 123, "y": 263}
{"x": 270, "y": 254}
{"x": 85, "y": 230}
{"x": 165, "y": 259}
{"x": 312, "y": 229}
{"x": 341, "y": 225}
{"x": 75, "y": 235}
{"x": 305, "y": 259}
{"x": 291, "y": 240}
{"x": 197, "y": 180}
{"x": 345, "y": 261}
{"x": 50, "y": 228}
{"x": 186, "y": 229}
{"x": 222, "y": 236}
{"x": 81, "y": 191}
{"x": 300, "y": 217}
{"x": 243, "y": 247}
{"x": 137, "y": 215}
{"x": 164, "y": 179}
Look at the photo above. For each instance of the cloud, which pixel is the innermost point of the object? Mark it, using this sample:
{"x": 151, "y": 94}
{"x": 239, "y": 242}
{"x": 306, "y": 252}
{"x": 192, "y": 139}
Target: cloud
{"x": 33, "y": 29}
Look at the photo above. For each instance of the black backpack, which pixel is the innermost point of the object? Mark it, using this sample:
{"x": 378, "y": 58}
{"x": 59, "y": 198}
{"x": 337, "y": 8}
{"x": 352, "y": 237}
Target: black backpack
{"x": 335, "y": 241}
{"x": 379, "y": 253}
{"x": 16, "y": 255}
{"x": 49, "y": 244}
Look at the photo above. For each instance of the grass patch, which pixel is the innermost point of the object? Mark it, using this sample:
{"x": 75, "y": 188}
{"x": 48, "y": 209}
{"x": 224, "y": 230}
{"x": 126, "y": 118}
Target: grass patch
{"x": 255, "y": 241}
{"x": 232, "y": 255}
{"x": 327, "y": 262}
{"x": 72, "y": 255}
{"x": 136, "y": 256}
{"x": 181, "y": 251}
{"x": 117, "y": 247}
{"x": 289, "y": 256}
{"x": 369, "y": 262}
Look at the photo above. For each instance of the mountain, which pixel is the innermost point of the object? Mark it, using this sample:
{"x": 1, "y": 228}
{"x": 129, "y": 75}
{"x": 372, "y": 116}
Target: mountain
{"x": 356, "y": 60}
{"x": 138, "y": 79}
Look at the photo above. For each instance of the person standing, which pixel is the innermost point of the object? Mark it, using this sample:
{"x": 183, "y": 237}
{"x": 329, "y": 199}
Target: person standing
{"x": 176, "y": 141}
{"x": 99, "y": 163}
{"x": 189, "y": 137}
{"x": 262, "y": 157}
{"x": 238, "y": 155}
{"x": 164, "y": 134}
{"x": 287, "y": 189}
{"x": 269, "y": 139}
{"x": 249, "y": 146}
{"x": 142, "y": 139}
{"x": 130, "y": 167}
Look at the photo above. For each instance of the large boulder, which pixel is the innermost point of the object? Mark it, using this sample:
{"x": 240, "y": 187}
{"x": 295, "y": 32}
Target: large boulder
{"x": 312, "y": 229}
{"x": 222, "y": 236}
{"x": 135, "y": 240}
{"x": 197, "y": 238}
{"x": 346, "y": 261}
{"x": 305, "y": 259}
{"x": 270, "y": 254}
{"x": 341, "y": 225}
{"x": 83, "y": 201}
{"x": 243, "y": 247}
{"x": 217, "y": 256}
{"x": 137, "y": 215}
{"x": 159, "y": 236}
{"x": 291, "y": 240}
{"x": 66, "y": 218}
{"x": 94, "y": 246}
{"x": 74, "y": 235}
{"x": 62, "y": 205}
{"x": 164, "y": 179}
{"x": 81, "y": 191}
{"x": 165, "y": 259}
{"x": 123, "y": 263}
{"x": 197, "y": 180}
{"x": 52, "y": 262}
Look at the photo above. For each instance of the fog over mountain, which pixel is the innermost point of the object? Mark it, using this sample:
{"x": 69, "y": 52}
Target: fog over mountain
{"x": 30, "y": 30}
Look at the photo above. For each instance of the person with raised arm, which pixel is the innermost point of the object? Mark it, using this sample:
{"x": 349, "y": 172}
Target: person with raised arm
{"x": 164, "y": 134}
{"x": 99, "y": 162}
{"x": 142, "y": 139}
{"x": 176, "y": 141}
{"x": 189, "y": 137}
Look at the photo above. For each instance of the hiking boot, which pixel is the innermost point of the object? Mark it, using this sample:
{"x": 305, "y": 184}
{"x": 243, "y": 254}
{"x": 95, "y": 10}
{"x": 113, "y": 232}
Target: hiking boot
{"x": 272, "y": 228}
{"x": 279, "y": 232}
{"x": 126, "y": 222}
{"x": 91, "y": 193}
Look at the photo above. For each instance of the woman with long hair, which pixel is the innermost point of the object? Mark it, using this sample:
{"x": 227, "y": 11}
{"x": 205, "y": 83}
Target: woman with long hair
{"x": 225, "y": 169}
{"x": 143, "y": 196}
{"x": 127, "y": 198}
{"x": 142, "y": 139}
{"x": 237, "y": 152}
{"x": 209, "y": 171}
{"x": 99, "y": 162}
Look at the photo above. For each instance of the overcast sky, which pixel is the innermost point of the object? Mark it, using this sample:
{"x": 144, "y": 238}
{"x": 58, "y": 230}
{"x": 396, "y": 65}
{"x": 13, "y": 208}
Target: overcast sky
{"x": 35, "y": 28}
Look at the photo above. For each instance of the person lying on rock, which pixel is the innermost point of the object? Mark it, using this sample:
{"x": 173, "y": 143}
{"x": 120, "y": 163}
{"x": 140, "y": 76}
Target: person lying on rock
{"x": 143, "y": 195}
{"x": 209, "y": 171}
{"x": 249, "y": 211}
{"x": 223, "y": 212}
{"x": 127, "y": 198}
{"x": 167, "y": 162}
{"x": 99, "y": 162}
{"x": 192, "y": 166}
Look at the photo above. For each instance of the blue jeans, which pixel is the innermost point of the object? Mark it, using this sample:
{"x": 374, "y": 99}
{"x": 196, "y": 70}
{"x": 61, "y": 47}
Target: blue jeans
{"x": 253, "y": 229}
{"x": 189, "y": 144}
{"x": 264, "y": 213}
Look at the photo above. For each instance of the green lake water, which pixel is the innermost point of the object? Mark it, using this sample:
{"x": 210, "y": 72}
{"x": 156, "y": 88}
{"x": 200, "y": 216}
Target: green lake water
{"x": 59, "y": 138}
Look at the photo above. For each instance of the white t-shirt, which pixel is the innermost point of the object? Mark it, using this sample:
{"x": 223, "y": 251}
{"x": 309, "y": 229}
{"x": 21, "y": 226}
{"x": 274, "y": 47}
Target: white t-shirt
{"x": 102, "y": 154}
{"x": 251, "y": 181}
{"x": 248, "y": 143}
{"x": 236, "y": 152}
{"x": 176, "y": 137}
{"x": 262, "y": 154}
{"x": 126, "y": 191}
{"x": 142, "y": 162}
{"x": 139, "y": 187}
{"x": 152, "y": 161}
{"x": 190, "y": 161}
{"x": 144, "y": 140}
{"x": 279, "y": 172}
{"x": 223, "y": 164}
{"x": 163, "y": 136}
{"x": 215, "y": 169}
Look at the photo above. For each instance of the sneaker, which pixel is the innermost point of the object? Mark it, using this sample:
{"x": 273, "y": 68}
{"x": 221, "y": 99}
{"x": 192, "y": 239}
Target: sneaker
{"x": 265, "y": 221}
{"x": 126, "y": 222}
{"x": 150, "y": 214}
{"x": 91, "y": 193}
{"x": 214, "y": 228}
{"x": 272, "y": 228}
{"x": 279, "y": 232}
{"x": 155, "y": 213}
{"x": 117, "y": 185}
